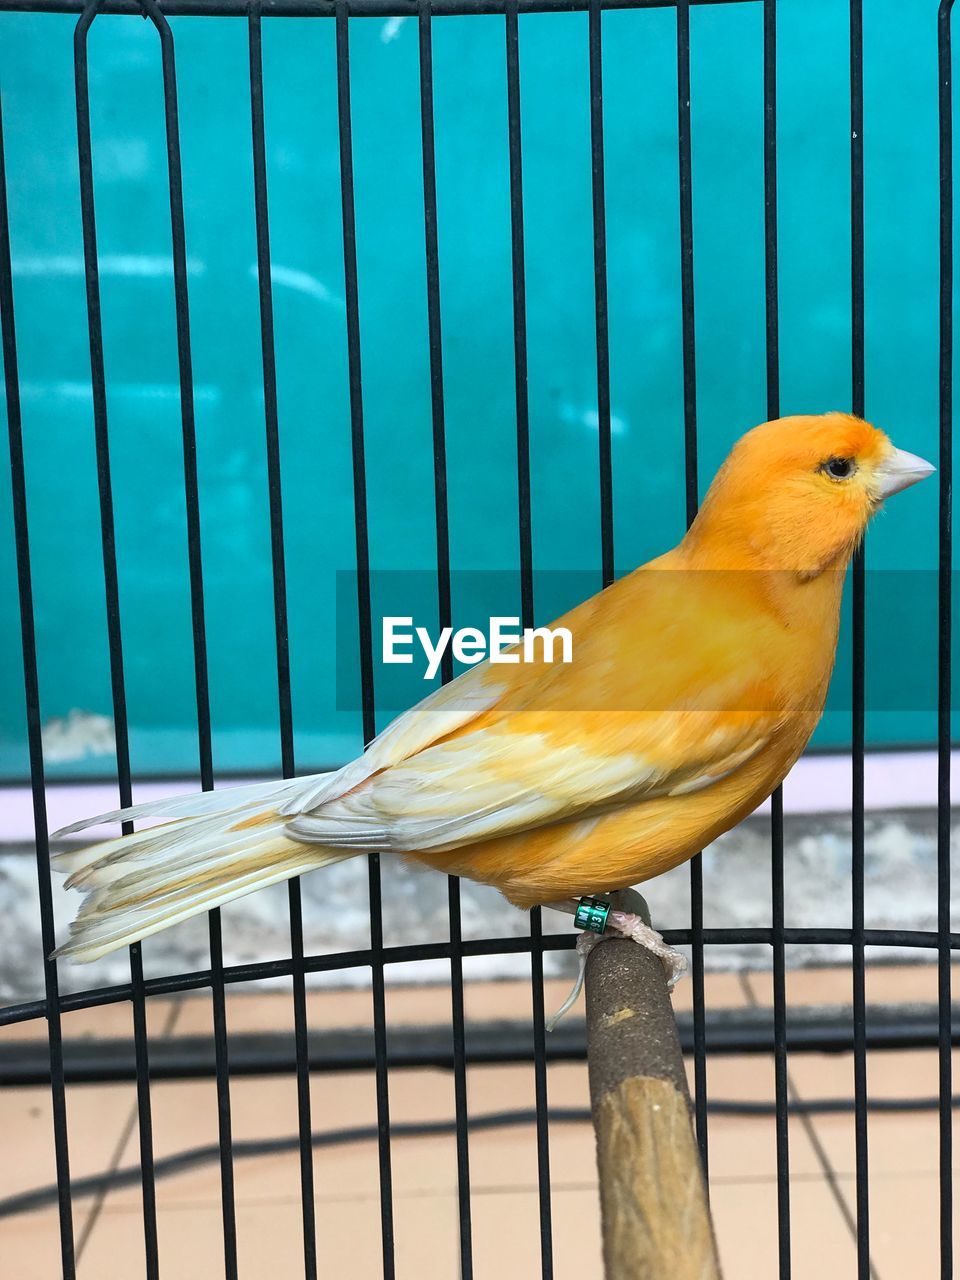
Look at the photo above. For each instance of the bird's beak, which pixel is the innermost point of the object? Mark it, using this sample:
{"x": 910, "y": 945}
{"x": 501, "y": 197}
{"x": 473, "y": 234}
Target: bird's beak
{"x": 900, "y": 471}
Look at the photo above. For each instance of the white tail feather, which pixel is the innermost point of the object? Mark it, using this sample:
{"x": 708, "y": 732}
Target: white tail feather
{"x": 209, "y": 854}
{"x": 201, "y": 803}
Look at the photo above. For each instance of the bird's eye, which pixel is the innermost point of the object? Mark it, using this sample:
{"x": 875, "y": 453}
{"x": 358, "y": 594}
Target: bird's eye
{"x": 839, "y": 468}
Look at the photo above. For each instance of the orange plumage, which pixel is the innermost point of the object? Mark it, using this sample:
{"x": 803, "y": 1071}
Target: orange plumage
{"x": 696, "y": 682}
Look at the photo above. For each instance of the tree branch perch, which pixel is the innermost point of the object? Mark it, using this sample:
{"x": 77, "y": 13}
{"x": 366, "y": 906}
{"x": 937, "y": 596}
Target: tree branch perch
{"x": 656, "y": 1221}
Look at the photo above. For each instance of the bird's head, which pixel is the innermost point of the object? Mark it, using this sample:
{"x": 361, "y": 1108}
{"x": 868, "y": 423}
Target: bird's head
{"x": 797, "y": 493}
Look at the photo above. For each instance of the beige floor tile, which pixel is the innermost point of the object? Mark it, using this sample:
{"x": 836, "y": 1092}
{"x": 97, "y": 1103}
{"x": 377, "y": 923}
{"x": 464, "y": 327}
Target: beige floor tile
{"x": 506, "y": 1229}
{"x": 185, "y": 1118}
{"x": 265, "y": 1108}
{"x": 273, "y": 1011}
{"x": 721, "y": 991}
{"x": 96, "y": 1115}
{"x": 896, "y": 984}
{"x": 30, "y": 1246}
{"x": 904, "y": 1225}
{"x": 897, "y": 1142}
{"x": 336, "y": 1009}
{"x": 905, "y": 1073}
{"x": 577, "y": 1245}
{"x": 745, "y": 1146}
{"x": 741, "y": 1077}
{"x": 505, "y": 1223}
{"x": 96, "y": 1119}
{"x": 745, "y": 1217}
{"x": 426, "y": 1238}
{"x": 504, "y": 1179}
{"x": 804, "y": 986}
{"x": 105, "y": 1022}
{"x": 503, "y": 1161}
{"x": 904, "y": 984}
{"x": 900, "y": 1144}
{"x": 190, "y": 1243}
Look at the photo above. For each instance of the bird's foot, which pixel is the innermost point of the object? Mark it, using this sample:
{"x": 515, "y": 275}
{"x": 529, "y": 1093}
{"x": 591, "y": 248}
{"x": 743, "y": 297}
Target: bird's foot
{"x": 629, "y": 925}
{"x": 613, "y": 922}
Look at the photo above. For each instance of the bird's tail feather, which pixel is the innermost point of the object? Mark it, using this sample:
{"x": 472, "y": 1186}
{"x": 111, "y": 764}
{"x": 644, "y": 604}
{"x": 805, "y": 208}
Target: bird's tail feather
{"x": 218, "y": 846}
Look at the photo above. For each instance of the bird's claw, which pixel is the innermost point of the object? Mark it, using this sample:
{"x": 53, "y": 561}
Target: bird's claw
{"x": 634, "y": 927}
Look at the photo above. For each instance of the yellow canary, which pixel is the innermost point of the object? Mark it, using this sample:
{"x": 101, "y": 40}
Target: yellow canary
{"x": 693, "y": 686}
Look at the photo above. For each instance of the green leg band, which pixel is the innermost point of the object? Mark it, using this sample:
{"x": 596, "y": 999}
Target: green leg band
{"x": 591, "y": 915}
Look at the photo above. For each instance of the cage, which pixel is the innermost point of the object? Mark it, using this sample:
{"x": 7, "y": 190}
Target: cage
{"x": 688, "y": 222}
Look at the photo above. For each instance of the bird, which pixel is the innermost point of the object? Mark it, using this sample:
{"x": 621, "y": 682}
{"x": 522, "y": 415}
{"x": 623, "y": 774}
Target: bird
{"x": 694, "y": 684}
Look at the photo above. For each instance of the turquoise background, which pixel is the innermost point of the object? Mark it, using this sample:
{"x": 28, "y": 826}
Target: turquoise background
{"x": 36, "y": 81}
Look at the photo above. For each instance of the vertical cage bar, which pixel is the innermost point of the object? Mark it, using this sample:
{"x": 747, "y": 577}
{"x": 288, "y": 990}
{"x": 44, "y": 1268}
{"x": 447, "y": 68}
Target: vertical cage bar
{"x": 284, "y": 693}
{"x": 512, "y": 30}
{"x": 144, "y": 1115}
{"x": 945, "y": 604}
{"x": 432, "y": 253}
{"x": 364, "y": 614}
{"x": 518, "y": 265}
{"x": 112, "y": 600}
{"x": 858, "y": 733}
{"x": 692, "y": 498}
{"x": 595, "y": 39}
{"x": 197, "y": 611}
{"x": 31, "y": 690}
{"x": 773, "y": 409}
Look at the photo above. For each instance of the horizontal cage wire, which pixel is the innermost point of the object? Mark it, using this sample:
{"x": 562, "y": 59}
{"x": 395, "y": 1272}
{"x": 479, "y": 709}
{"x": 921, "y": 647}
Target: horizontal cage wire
{"x": 236, "y": 1056}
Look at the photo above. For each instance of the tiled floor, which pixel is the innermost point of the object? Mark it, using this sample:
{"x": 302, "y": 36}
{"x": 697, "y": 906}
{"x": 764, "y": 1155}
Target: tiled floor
{"x": 503, "y": 1162}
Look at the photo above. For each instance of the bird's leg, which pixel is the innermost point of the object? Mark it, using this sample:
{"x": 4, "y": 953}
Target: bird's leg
{"x": 586, "y": 941}
{"x": 600, "y": 919}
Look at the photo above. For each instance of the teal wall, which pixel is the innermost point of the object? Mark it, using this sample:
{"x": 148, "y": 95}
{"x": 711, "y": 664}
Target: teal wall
{"x": 36, "y": 80}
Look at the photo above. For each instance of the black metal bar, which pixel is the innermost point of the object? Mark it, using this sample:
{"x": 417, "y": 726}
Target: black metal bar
{"x": 144, "y": 1116}
{"x": 771, "y": 291}
{"x": 194, "y": 555}
{"x": 687, "y": 316}
{"x": 525, "y": 532}
{"x": 345, "y": 132}
{"x": 518, "y": 263}
{"x": 688, "y": 329}
{"x": 327, "y": 8}
{"x": 112, "y": 600}
{"x": 913, "y": 939}
{"x": 858, "y": 726}
{"x": 595, "y": 36}
{"x": 444, "y": 608}
{"x": 945, "y": 606}
{"x": 31, "y": 688}
{"x": 284, "y": 693}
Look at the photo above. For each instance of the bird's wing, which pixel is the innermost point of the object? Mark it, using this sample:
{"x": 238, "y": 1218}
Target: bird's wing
{"x": 666, "y": 694}
{"x": 532, "y": 770}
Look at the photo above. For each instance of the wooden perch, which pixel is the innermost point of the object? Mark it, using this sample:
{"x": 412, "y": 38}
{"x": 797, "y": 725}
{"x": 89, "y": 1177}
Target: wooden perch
{"x": 656, "y": 1222}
